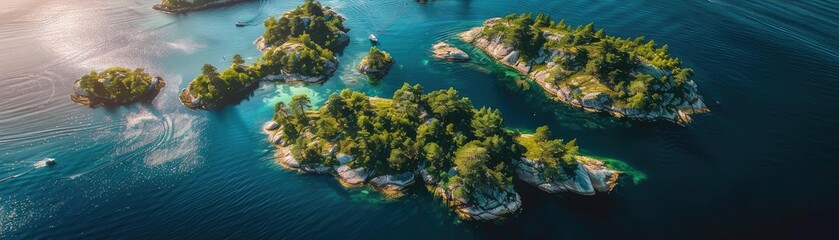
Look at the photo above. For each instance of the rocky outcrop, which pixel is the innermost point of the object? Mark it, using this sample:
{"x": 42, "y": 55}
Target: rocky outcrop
{"x": 494, "y": 204}
{"x": 673, "y": 109}
{"x": 364, "y": 67}
{"x": 352, "y": 177}
{"x": 291, "y": 48}
{"x": 85, "y": 98}
{"x": 589, "y": 177}
{"x": 444, "y": 51}
{"x": 212, "y": 4}
{"x": 393, "y": 183}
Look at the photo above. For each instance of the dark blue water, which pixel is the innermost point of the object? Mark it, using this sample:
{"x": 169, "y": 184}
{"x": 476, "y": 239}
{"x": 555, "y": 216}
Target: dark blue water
{"x": 762, "y": 163}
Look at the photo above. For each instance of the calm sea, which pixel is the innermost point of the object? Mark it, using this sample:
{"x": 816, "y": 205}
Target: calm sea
{"x": 763, "y": 162}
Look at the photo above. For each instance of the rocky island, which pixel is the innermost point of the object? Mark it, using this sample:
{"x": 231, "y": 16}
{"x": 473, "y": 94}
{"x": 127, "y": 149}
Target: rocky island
{"x": 296, "y": 48}
{"x": 376, "y": 64}
{"x": 184, "y": 6}
{"x": 589, "y": 69}
{"x": 116, "y": 86}
{"x": 444, "y": 51}
{"x": 461, "y": 154}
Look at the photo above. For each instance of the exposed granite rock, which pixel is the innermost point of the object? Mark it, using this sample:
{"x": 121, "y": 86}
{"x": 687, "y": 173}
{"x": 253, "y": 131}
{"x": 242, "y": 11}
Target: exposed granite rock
{"x": 271, "y": 126}
{"x": 352, "y": 177}
{"x": 589, "y": 177}
{"x": 602, "y": 178}
{"x": 329, "y": 66}
{"x": 488, "y": 206}
{"x": 447, "y": 52}
{"x": 393, "y": 183}
{"x": 365, "y": 67}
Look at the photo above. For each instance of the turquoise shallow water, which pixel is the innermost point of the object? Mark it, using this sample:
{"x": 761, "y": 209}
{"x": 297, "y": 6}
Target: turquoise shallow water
{"x": 761, "y": 163}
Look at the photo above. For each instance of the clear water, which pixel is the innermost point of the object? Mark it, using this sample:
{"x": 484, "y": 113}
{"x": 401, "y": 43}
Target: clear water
{"x": 761, "y": 163}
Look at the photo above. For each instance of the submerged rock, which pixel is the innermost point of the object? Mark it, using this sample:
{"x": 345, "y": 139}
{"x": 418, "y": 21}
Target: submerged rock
{"x": 446, "y": 52}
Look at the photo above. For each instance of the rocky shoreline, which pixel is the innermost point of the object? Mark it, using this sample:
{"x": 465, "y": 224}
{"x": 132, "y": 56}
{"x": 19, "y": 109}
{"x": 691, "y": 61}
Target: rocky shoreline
{"x": 444, "y": 51}
{"x": 590, "y": 177}
{"x": 221, "y": 3}
{"x": 86, "y": 99}
{"x": 486, "y": 207}
{"x": 678, "y": 110}
{"x": 391, "y": 185}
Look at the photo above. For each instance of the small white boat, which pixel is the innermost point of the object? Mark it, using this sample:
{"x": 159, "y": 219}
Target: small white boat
{"x": 240, "y": 24}
{"x": 373, "y": 38}
{"x": 49, "y": 161}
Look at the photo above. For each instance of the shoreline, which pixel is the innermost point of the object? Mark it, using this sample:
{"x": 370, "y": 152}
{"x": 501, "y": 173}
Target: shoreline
{"x": 681, "y": 116}
{"x": 183, "y": 10}
{"x": 93, "y": 101}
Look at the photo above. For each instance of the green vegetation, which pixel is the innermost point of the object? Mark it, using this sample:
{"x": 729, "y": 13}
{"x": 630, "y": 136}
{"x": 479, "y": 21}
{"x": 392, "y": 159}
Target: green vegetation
{"x": 299, "y": 52}
{"x": 376, "y": 63}
{"x": 176, "y": 4}
{"x": 323, "y": 25}
{"x": 634, "y": 73}
{"x": 558, "y": 157}
{"x": 213, "y": 86}
{"x": 116, "y": 83}
{"x": 435, "y": 131}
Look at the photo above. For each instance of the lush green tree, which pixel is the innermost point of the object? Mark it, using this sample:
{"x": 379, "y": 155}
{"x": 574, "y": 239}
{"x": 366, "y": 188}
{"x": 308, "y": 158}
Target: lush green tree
{"x": 238, "y": 60}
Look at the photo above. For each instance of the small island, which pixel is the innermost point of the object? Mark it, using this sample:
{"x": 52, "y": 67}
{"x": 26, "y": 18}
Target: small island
{"x": 184, "y": 6}
{"x": 586, "y": 68}
{"x": 463, "y": 155}
{"x": 444, "y": 51}
{"x": 116, "y": 86}
{"x": 376, "y": 64}
{"x": 296, "y": 48}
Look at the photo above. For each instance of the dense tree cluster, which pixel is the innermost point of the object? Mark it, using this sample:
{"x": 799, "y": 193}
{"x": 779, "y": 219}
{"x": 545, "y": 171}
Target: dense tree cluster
{"x": 211, "y": 85}
{"x": 299, "y": 55}
{"x": 632, "y": 71}
{"x": 185, "y": 3}
{"x": 309, "y": 18}
{"x": 439, "y": 131}
{"x": 116, "y": 83}
{"x": 557, "y": 156}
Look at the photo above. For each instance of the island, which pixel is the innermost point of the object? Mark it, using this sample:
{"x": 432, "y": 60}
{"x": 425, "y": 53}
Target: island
{"x": 376, "y": 64}
{"x": 444, "y": 51}
{"x": 586, "y": 68}
{"x": 463, "y": 155}
{"x": 299, "y": 47}
{"x": 116, "y": 86}
{"x": 184, "y": 6}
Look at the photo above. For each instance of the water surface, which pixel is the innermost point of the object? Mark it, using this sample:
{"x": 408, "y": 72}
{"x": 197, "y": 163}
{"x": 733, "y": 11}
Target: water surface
{"x": 761, "y": 163}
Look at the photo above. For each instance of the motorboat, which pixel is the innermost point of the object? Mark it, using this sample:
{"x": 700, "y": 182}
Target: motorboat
{"x": 49, "y": 161}
{"x": 241, "y": 24}
{"x": 373, "y": 38}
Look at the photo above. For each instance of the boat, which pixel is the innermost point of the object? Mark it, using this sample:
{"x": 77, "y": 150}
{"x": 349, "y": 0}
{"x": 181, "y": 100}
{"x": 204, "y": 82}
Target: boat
{"x": 240, "y": 24}
{"x": 49, "y": 161}
{"x": 373, "y": 38}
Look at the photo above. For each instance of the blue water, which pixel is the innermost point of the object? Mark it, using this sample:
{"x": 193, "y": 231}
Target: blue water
{"x": 762, "y": 163}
